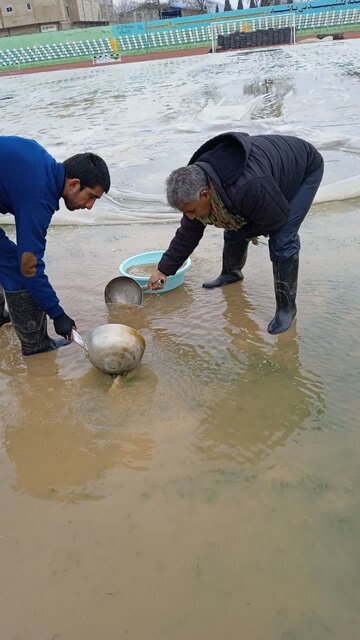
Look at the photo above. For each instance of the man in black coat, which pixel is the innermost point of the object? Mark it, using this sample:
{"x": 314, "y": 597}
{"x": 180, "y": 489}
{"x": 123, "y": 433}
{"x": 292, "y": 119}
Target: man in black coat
{"x": 250, "y": 186}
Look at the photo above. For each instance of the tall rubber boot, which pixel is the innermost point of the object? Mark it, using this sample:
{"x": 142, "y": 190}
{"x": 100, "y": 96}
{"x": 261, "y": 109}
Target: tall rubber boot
{"x": 30, "y": 324}
{"x": 285, "y": 285}
{"x": 4, "y": 316}
{"x": 233, "y": 260}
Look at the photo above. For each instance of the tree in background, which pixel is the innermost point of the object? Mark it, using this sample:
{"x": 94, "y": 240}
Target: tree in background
{"x": 252, "y": 4}
{"x": 196, "y": 4}
{"x": 227, "y": 6}
{"x": 217, "y": 9}
{"x": 157, "y": 6}
{"x": 240, "y": 5}
{"x": 122, "y": 6}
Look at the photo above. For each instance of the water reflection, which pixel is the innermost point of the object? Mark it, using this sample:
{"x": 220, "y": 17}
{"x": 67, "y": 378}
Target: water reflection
{"x": 188, "y": 328}
{"x": 271, "y": 398}
{"x": 275, "y": 90}
{"x": 78, "y": 430}
{"x": 132, "y": 315}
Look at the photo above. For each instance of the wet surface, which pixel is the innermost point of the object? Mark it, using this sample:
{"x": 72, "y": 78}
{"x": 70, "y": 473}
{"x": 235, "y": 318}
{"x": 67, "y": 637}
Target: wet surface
{"x": 214, "y": 491}
{"x": 147, "y": 119}
{"x": 218, "y": 481}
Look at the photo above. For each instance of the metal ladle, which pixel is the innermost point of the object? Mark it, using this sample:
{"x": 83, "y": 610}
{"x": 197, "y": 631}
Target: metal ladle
{"x": 125, "y": 290}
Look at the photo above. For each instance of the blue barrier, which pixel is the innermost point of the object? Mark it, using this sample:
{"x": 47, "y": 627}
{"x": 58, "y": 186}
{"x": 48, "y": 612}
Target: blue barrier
{"x": 205, "y": 20}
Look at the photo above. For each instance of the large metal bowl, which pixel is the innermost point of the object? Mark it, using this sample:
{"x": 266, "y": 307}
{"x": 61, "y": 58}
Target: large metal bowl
{"x": 115, "y": 348}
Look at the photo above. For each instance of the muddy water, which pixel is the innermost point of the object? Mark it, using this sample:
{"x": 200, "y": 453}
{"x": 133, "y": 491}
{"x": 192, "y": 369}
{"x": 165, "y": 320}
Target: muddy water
{"x": 142, "y": 269}
{"x": 215, "y": 492}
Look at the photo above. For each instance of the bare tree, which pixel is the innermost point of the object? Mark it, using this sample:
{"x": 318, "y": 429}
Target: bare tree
{"x": 122, "y": 6}
{"x": 128, "y": 5}
{"x": 157, "y": 5}
{"x": 200, "y": 5}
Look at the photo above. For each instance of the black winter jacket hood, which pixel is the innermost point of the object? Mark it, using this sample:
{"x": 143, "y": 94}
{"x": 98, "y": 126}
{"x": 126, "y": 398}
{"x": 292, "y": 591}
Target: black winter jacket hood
{"x": 226, "y": 155}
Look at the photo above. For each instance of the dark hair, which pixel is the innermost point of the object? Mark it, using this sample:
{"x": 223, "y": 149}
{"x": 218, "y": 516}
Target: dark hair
{"x": 90, "y": 169}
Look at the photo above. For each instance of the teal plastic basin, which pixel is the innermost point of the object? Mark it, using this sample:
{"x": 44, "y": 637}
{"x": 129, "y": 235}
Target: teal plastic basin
{"x": 153, "y": 257}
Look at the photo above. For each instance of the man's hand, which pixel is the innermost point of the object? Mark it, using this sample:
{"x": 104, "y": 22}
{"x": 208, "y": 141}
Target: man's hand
{"x": 64, "y": 325}
{"x": 153, "y": 282}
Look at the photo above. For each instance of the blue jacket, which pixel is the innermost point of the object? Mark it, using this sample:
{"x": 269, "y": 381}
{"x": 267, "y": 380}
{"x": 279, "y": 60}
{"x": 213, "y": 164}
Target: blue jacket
{"x": 31, "y": 184}
{"x": 255, "y": 177}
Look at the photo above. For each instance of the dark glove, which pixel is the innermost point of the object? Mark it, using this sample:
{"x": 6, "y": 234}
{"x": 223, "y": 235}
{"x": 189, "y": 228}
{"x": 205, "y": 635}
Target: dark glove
{"x": 63, "y": 326}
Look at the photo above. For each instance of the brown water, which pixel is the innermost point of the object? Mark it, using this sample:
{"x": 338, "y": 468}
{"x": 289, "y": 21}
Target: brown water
{"x": 215, "y": 493}
{"x": 142, "y": 269}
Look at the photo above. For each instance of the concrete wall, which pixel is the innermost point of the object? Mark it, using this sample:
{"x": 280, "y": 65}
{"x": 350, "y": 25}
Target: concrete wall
{"x": 107, "y": 10}
{"x": 16, "y": 14}
{"x": 84, "y": 11}
{"x": 29, "y": 16}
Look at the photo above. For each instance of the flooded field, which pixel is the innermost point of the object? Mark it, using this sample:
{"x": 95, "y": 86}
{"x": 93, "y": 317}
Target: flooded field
{"x": 215, "y": 491}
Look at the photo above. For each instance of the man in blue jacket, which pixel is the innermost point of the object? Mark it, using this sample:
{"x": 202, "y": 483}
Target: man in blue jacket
{"x": 31, "y": 185}
{"x": 249, "y": 186}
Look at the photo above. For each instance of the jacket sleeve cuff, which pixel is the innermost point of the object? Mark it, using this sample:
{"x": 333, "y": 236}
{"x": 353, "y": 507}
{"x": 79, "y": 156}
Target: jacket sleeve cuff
{"x": 54, "y": 312}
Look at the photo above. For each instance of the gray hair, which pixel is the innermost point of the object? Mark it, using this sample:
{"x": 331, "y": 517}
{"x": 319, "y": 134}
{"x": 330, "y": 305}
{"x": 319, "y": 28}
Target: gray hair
{"x": 184, "y": 185}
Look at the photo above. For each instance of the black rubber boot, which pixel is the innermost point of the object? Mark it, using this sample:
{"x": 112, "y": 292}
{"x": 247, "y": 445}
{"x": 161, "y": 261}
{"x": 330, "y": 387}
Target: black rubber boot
{"x": 233, "y": 260}
{"x": 285, "y": 285}
{"x": 4, "y": 316}
{"x": 30, "y": 324}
